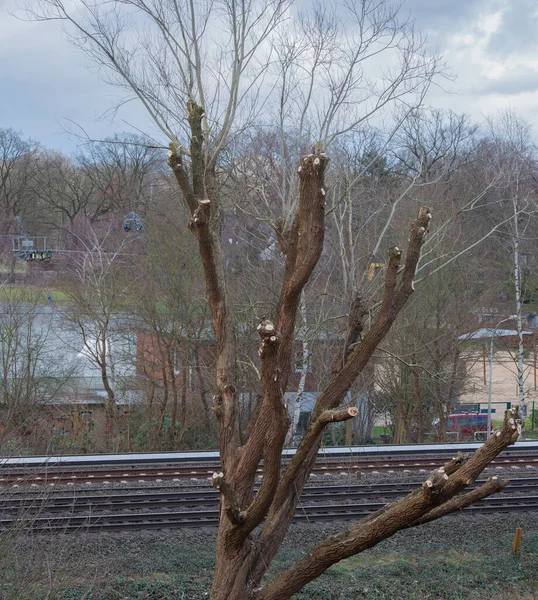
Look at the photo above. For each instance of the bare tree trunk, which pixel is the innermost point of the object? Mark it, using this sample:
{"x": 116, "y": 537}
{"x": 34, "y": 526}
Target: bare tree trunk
{"x": 175, "y": 400}
{"x": 399, "y": 437}
{"x": 149, "y": 417}
{"x": 419, "y": 413}
{"x": 305, "y": 362}
{"x": 162, "y": 411}
{"x": 241, "y": 563}
{"x": 519, "y": 302}
{"x": 203, "y": 389}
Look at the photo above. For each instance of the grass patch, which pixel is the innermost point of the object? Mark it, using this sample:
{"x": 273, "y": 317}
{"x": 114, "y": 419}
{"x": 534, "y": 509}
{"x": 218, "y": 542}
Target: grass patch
{"x": 459, "y": 558}
{"x": 22, "y": 293}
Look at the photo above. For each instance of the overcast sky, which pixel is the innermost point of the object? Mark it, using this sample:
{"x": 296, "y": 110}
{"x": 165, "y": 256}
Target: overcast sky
{"x": 491, "y": 45}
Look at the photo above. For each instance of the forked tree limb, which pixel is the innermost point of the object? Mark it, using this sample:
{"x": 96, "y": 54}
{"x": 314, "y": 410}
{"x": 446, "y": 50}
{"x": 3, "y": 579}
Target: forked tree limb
{"x": 303, "y": 245}
{"x": 490, "y": 487}
{"x": 426, "y": 503}
{"x": 301, "y": 464}
{"x": 341, "y": 381}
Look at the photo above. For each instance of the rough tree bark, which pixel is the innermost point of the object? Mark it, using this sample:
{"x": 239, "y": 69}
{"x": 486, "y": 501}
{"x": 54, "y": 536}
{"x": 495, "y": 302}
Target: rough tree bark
{"x": 242, "y": 558}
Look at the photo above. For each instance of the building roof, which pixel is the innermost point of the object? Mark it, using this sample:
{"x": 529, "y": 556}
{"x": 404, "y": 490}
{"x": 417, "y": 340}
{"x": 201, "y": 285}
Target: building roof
{"x": 490, "y": 332}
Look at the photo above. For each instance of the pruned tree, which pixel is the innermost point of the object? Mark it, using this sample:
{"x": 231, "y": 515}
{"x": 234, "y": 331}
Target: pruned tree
{"x": 171, "y": 66}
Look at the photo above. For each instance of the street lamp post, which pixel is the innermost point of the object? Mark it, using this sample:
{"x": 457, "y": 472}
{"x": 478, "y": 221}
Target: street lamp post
{"x": 491, "y": 370}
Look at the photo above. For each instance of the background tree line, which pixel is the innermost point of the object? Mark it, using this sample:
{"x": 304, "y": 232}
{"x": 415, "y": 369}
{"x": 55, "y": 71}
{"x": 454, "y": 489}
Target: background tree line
{"x": 144, "y": 287}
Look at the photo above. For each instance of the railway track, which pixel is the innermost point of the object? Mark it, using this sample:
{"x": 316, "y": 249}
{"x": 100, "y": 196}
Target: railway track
{"x": 62, "y": 476}
{"x": 115, "y": 512}
{"x": 209, "y": 517}
{"x": 150, "y": 500}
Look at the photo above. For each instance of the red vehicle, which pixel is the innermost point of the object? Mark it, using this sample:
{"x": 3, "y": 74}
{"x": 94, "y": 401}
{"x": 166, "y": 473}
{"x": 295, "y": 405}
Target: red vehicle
{"x": 466, "y": 425}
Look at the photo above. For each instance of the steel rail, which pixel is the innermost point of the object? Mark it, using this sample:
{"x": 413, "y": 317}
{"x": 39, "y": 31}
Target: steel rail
{"x": 166, "y": 520}
{"x": 194, "y": 472}
{"x": 186, "y": 498}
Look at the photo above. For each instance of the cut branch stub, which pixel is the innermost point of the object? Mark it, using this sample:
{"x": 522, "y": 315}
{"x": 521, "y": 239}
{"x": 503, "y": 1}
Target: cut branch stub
{"x": 200, "y": 217}
{"x": 455, "y": 463}
{"x": 333, "y": 416}
{"x": 269, "y": 338}
{"x": 314, "y": 163}
{"x": 231, "y": 506}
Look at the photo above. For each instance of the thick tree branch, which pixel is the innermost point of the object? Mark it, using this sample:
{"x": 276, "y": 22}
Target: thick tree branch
{"x": 205, "y": 227}
{"x": 175, "y": 162}
{"x": 296, "y": 475}
{"x": 195, "y": 114}
{"x": 492, "y": 486}
{"x": 304, "y": 245}
{"x": 267, "y": 436}
{"x": 438, "y": 493}
{"x": 419, "y": 229}
{"x": 445, "y": 471}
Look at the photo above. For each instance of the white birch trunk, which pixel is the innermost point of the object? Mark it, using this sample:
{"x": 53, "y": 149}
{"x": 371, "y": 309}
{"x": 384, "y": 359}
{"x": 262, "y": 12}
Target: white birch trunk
{"x": 296, "y": 411}
{"x": 519, "y": 324}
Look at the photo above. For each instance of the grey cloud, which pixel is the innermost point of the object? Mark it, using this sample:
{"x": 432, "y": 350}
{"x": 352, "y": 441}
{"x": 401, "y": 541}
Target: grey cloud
{"x": 433, "y": 14}
{"x": 517, "y": 32}
{"x": 517, "y": 81}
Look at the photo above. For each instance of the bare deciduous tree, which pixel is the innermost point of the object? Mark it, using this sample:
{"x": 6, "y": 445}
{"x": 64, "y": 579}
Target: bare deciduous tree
{"x": 97, "y": 284}
{"x": 174, "y": 66}
{"x": 16, "y": 167}
{"x": 63, "y": 186}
